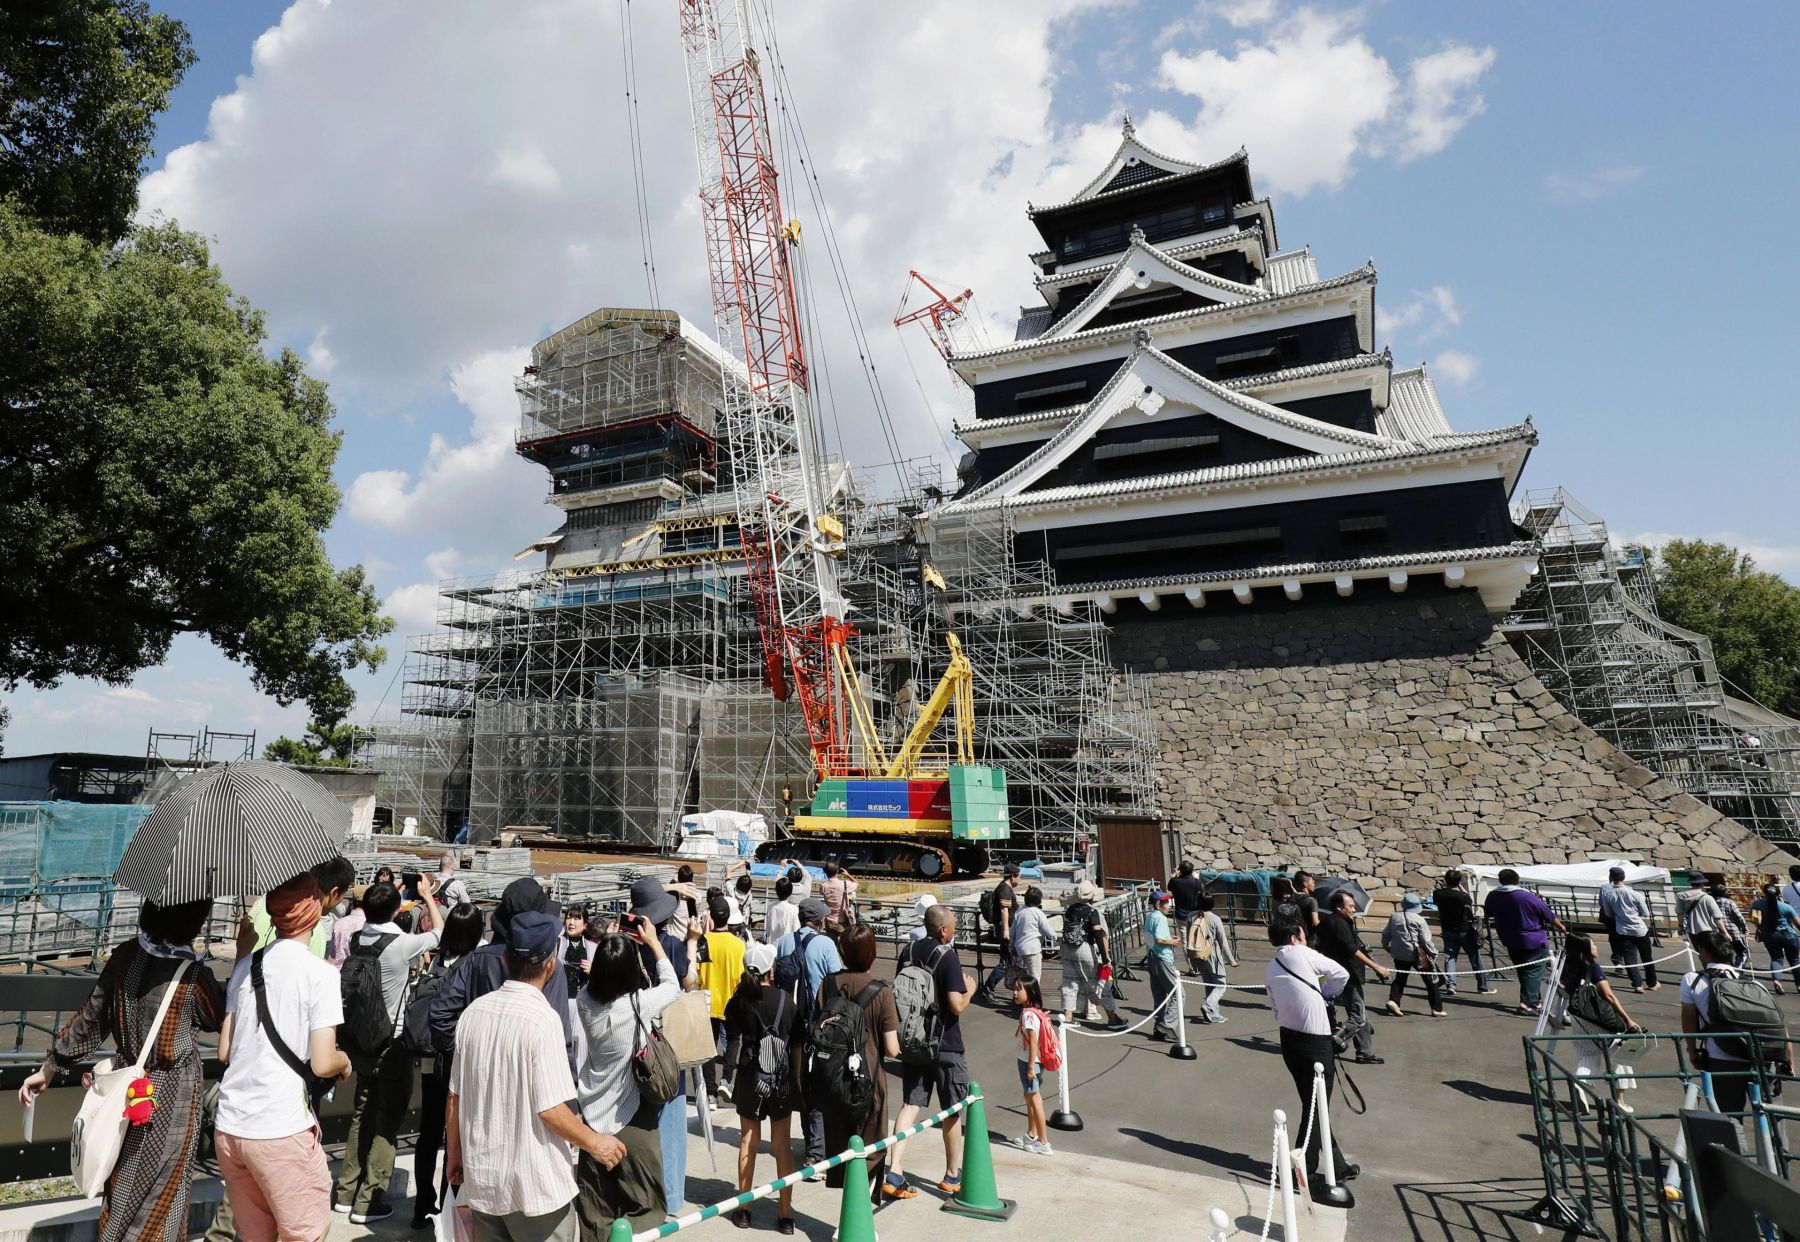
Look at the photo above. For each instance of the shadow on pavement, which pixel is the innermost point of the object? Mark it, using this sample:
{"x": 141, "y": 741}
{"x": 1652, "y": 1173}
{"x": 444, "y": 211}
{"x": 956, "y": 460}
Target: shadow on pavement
{"x": 1231, "y": 1161}
{"x": 1487, "y": 1093}
{"x": 1480, "y": 1211}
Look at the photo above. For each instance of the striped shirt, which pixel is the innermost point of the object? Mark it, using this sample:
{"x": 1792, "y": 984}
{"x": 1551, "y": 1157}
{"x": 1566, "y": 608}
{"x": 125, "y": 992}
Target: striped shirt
{"x": 510, "y": 1066}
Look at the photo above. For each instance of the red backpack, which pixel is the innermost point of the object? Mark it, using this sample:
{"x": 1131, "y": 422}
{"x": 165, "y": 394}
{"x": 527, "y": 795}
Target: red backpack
{"x": 1049, "y": 1047}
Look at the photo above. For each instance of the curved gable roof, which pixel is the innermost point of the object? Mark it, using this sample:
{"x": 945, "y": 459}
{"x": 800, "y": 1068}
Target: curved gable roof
{"x": 1131, "y": 153}
{"x": 1142, "y": 261}
{"x": 1158, "y": 374}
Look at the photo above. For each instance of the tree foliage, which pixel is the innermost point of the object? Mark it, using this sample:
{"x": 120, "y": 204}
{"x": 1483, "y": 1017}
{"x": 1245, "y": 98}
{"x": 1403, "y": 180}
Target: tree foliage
{"x": 1752, "y": 617}
{"x": 81, "y": 82}
{"x": 324, "y": 743}
{"x": 160, "y": 474}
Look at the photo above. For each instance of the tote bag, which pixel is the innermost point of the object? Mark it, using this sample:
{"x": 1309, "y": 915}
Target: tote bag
{"x": 99, "y": 1130}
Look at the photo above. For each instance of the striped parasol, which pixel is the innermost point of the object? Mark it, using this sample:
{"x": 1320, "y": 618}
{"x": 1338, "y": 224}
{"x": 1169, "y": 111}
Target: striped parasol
{"x": 232, "y": 831}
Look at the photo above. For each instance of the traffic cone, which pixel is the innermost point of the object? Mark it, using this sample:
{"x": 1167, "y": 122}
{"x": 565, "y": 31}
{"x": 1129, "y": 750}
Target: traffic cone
{"x": 620, "y": 1232}
{"x": 979, "y": 1197}
{"x": 856, "y": 1215}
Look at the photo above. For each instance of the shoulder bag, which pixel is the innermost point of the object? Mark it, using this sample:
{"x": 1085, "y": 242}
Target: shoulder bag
{"x": 316, "y": 1087}
{"x": 98, "y": 1134}
{"x": 654, "y": 1066}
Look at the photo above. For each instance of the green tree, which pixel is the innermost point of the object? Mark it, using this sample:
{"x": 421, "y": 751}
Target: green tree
{"x": 1752, "y": 617}
{"x": 324, "y": 742}
{"x": 81, "y": 82}
{"x": 160, "y": 474}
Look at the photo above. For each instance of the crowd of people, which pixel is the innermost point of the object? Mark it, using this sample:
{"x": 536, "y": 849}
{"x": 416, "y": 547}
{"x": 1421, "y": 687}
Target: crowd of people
{"x": 558, "y": 1107}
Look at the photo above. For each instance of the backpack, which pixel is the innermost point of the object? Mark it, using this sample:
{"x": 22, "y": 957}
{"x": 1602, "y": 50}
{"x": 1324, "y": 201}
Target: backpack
{"x": 1199, "y": 940}
{"x": 770, "y": 1063}
{"x": 1076, "y": 921}
{"x": 790, "y": 973}
{"x": 1049, "y": 1048}
{"x": 1735, "y": 1004}
{"x": 1587, "y": 1004}
{"x": 990, "y": 909}
{"x": 368, "y": 1025}
{"x": 916, "y": 1001}
{"x": 415, "y": 1024}
{"x": 839, "y": 1078}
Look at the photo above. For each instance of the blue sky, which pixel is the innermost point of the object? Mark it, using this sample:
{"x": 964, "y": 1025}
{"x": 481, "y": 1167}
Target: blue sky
{"x": 1581, "y": 214}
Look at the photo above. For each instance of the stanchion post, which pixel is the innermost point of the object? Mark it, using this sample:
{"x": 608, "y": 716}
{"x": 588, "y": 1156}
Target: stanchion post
{"x": 1065, "y": 1117}
{"x": 1284, "y": 1178}
{"x": 1330, "y": 1191}
{"x": 856, "y": 1215}
{"x": 1547, "y": 990}
{"x": 1221, "y": 1224}
{"x": 620, "y": 1231}
{"x": 979, "y": 1197}
{"x": 1180, "y": 1050}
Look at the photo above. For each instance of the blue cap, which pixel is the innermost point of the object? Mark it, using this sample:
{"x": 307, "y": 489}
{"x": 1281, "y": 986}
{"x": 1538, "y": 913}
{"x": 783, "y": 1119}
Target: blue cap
{"x": 533, "y": 934}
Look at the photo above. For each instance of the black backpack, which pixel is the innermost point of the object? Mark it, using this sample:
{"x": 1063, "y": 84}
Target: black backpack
{"x": 1738, "y": 1004}
{"x": 990, "y": 909}
{"x": 415, "y": 1027}
{"x": 839, "y": 1078}
{"x": 1076, "y": 921}
{"x": 368, "y": 1025}
{"x": 790, "y": 973}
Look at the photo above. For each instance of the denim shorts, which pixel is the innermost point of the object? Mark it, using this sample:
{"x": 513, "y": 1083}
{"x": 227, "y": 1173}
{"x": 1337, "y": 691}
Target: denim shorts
{"x": 1032, "y": 1083}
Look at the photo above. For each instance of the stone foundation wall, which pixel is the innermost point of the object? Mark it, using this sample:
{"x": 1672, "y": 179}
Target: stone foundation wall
{"x": 1387, "y": 737}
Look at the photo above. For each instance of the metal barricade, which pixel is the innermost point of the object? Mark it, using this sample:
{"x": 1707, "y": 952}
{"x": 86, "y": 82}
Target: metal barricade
{"x": 1618, "y": 1168}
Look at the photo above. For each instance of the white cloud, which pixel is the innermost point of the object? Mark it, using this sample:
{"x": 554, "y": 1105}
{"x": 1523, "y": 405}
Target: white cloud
{"x": 526, "y": 168}
{"x": 319, "y": 358}
{"x": 1596, "y": 182}
{"x": 1423, "y": 316}
{"x": 462, "y": 487}
{"x": 1441, "y": 99}
{"x": 1310, "y": 96}
{"x": 1455, "y": 366}
{"x": 413, "y": 608}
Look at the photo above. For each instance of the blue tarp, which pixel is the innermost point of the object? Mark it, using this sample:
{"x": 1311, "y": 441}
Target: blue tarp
{"x": 51, "y": 841}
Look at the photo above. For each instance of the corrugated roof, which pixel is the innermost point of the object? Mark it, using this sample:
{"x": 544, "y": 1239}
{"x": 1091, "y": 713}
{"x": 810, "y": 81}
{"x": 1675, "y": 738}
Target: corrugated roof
{"x": 1414, "y": 411}
{"x": 1291, "y": 271}
{"x": 1033, "y": 320}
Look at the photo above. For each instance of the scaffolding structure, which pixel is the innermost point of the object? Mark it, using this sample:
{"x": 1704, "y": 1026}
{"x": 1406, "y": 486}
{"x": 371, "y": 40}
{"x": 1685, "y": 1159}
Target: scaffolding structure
{"x": 1076, "y": 736}
{"x": 1587, "y": 625}
{"x": 620, "y": 686}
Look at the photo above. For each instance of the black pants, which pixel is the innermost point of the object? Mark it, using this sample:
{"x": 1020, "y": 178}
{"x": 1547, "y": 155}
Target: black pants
{"x": 1298, "y": 1051}
{"x": 1629, "y": 952}
{"x": 434, "y": 1092}
{"x": 1403, "y": 971}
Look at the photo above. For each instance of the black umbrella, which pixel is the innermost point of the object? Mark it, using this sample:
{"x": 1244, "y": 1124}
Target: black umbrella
{"x": 1329, "y": 884}
{"x": 233, "y": 830}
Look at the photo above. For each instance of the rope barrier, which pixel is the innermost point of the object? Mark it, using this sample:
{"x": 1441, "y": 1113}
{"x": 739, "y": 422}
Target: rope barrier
{"x": 1485, "y": 970}
{"x": 1173, "y": 993}
{"x": 808, "y": 1173}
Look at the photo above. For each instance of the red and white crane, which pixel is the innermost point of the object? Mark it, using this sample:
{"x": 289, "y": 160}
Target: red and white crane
{"x": 789, "y": 538}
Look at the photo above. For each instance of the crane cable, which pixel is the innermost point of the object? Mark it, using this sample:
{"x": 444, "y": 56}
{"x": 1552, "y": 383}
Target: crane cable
{"x": 641, "y": 194}
{"x": 803, "y": 157}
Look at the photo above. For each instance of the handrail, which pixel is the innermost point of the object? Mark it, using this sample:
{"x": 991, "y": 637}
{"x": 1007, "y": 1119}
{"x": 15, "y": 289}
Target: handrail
{"x": 813, "y": 1170}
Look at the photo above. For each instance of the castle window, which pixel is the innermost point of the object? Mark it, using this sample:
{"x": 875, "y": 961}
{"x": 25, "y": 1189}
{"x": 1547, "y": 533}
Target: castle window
{"x": 1032, "y": 400}
{"x": 1365, "y": 531}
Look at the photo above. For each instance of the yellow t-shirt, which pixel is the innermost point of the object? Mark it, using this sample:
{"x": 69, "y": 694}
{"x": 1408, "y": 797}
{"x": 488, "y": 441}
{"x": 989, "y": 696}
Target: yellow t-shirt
{"x": 720, "y": 974}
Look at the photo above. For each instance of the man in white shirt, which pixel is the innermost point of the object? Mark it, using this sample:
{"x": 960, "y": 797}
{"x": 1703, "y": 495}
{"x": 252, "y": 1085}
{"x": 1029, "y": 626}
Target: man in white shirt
{"x": 384, "y": 1071}
{"x": 1790, "y": 892}
{"x": 1629, "y": 914}
{"x": 1300, "y": 981}
{"x": 508, "y": 1125}
{"x": 268, "y": 1140}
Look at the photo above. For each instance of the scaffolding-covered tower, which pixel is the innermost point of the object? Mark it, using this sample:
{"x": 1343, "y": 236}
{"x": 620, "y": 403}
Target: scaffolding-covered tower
{"x": 1588, "y": 627}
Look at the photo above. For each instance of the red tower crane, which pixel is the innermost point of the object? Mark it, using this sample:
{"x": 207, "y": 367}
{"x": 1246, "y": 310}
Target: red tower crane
{"x": 945, "y": 317}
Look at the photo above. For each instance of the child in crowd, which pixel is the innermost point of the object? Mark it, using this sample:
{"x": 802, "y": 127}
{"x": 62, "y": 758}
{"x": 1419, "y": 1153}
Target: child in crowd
{"x": 1035, "y": 1032}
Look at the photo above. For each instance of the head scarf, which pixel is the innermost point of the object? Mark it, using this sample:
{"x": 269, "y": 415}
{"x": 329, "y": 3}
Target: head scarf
{"x": 295, "y": 907}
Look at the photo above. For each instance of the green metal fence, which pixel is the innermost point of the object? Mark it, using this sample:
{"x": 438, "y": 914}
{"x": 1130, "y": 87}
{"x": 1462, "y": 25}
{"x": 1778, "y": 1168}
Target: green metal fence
{"x": 1609, "y": 1133}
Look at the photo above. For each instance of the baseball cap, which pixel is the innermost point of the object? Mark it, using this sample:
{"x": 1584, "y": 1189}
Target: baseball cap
{"x": 924, "y": 903}
{"x": 533, "y": 934}
{"x": 1159, "y": 896}
{"x": 759, "y": 958}
{"x": 1010, "y": 869}
{"x": 814, "y": 910}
